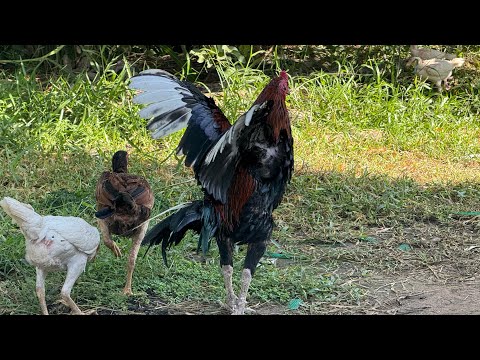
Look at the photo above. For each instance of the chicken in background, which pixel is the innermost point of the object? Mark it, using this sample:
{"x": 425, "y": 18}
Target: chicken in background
{"x": 243, "y": 168}
{"x": 54, "y": 243}
{"x": 124, "y": 203}
{"x": 437, "y": 71}
{"x": 427, "y": 53}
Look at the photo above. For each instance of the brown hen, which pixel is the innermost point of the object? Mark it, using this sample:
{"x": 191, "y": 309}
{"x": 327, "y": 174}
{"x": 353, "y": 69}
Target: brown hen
{"x": 124, "y": 203}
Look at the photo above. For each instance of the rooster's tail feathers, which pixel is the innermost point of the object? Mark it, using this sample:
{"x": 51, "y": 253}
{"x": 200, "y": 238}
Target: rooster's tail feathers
{"x": 172, "y": 229}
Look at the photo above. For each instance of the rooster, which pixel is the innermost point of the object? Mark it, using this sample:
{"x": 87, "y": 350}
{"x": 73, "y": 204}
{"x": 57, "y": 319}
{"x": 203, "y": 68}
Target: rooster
{"x": 243, "y": 168}
{"x": 124, "y": 203}
{"x": 54, "y": 243}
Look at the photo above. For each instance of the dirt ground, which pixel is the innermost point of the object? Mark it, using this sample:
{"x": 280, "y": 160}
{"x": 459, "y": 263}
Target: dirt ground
{"x": 411, "y": 296}
{"x": 388, "y": 296}
{"x": 439, "y": 276}
{"x": 447, "y": 285}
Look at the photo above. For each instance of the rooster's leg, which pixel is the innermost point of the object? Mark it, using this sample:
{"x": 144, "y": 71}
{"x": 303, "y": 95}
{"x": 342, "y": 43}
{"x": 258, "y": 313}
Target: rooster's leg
{"x": 40, "y": 290}
{"x": 225, "y": 249}
{"x": 254, "y": 252}
{"x": 242, "y": 298}
{"x": 107, "y": 240}
{"x": 137, "y": 241}
{"x": 75, "y": 267}
{"x": 227, "y": 271}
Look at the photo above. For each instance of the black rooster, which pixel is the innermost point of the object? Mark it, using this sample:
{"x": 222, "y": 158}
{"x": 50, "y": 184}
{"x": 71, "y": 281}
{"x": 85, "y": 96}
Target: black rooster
{"x": 243, "y": 168}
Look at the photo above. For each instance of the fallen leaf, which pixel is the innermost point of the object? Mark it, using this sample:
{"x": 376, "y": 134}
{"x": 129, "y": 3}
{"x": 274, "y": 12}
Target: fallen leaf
{"x": 294, "y": 304}
{"x": 404, "y": 247}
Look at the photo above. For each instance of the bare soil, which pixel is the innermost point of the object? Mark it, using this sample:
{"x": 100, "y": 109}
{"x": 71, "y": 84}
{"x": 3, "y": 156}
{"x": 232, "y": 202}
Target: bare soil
{"x": 440, "y": 275}
{"x": 413, "y": 296}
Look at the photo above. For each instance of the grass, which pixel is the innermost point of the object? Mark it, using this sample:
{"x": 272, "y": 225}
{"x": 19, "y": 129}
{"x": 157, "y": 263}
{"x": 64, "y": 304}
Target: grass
{"x": 377, "y": 164}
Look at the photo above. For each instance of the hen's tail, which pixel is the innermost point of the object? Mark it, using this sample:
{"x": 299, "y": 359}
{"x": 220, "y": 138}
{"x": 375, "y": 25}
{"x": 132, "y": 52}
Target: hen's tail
{"x": 121, "y": 200}
{"x": 172, "y": 229}
{"x": 21, "y": 213}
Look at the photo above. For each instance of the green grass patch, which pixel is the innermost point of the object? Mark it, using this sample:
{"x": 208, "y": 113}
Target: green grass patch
{"x": 376, "y": 154}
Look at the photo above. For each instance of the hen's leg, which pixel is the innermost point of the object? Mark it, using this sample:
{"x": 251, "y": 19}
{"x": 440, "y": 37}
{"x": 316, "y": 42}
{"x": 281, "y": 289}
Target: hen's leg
{"x": 254, "y": 252}
{"x": 40, "y": 290}
{"x": 447, "y": 85}
{"x": 107, "y": 240}
{"x": 137, "y": 241}
{"x": 438, "y": 84}
{"x": 75, "y": 268}
{"x": 225, "y": 249}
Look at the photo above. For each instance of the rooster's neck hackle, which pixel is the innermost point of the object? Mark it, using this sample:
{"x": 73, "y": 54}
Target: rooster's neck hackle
{"x": 278, "y": 117}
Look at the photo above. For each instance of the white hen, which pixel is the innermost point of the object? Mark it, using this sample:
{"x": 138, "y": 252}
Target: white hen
{"x": 427, "y": 53}
{"x": 435, "y": 70}
{"x": 54, "y": 243}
